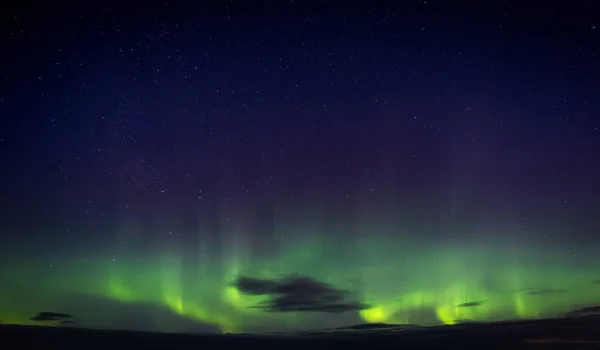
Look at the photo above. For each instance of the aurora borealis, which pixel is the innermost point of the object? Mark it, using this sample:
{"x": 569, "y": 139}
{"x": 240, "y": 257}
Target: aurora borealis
{"x": 403, "y": 281}
{"x": 392, "y": 162}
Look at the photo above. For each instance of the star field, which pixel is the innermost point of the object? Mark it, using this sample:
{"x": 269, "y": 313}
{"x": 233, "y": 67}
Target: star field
{"x": 251, "y": 166}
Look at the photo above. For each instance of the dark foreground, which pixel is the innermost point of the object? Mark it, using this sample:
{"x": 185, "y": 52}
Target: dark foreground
{"x": 567, "y": 333}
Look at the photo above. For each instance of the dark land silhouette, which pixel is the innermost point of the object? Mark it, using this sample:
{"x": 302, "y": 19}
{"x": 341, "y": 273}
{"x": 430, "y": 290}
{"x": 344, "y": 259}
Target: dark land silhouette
{"x": 579, "y": 330}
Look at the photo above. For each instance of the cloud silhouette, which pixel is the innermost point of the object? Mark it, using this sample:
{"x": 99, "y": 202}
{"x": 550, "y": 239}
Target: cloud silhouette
{"x": 586, "y": 311}
{"x": 54, "y": 315}
{"x": 546, "y": 291}
{"x": 50, "y": 316}
{"x": 43, "y": 318}
{"x": 298, "y": 294}
{"x": 471, "y": 304}
{"x": 256, "y": 286}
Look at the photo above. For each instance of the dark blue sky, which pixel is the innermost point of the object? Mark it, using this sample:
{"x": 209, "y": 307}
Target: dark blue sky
{"x": 421, "y": 105}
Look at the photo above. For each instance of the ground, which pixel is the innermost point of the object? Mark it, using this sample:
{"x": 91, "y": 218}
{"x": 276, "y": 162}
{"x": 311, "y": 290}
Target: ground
{"x": 565, "y": 333}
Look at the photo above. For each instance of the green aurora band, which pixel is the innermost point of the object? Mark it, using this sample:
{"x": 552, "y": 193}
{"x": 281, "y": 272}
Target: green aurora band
{"x": 404, "y": 282}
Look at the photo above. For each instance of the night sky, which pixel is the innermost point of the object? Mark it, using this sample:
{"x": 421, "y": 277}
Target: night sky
{"x": 246, "y": 166}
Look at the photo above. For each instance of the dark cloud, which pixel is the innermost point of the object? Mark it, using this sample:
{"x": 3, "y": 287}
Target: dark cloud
{"x": 50, "y": 316}
{"x": 256, "y": 286}
{"x": 546, "y": 291}
{"x": 298, "y": 294}
{"x": 55, "y": 315}
{"x": 586, "y": 311}
{"x": 471, "y": 304}
{"x": 40, "y": 318}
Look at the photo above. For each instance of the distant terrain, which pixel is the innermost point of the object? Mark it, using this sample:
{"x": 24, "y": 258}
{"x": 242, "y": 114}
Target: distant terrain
{"x": 582, "y": 332}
